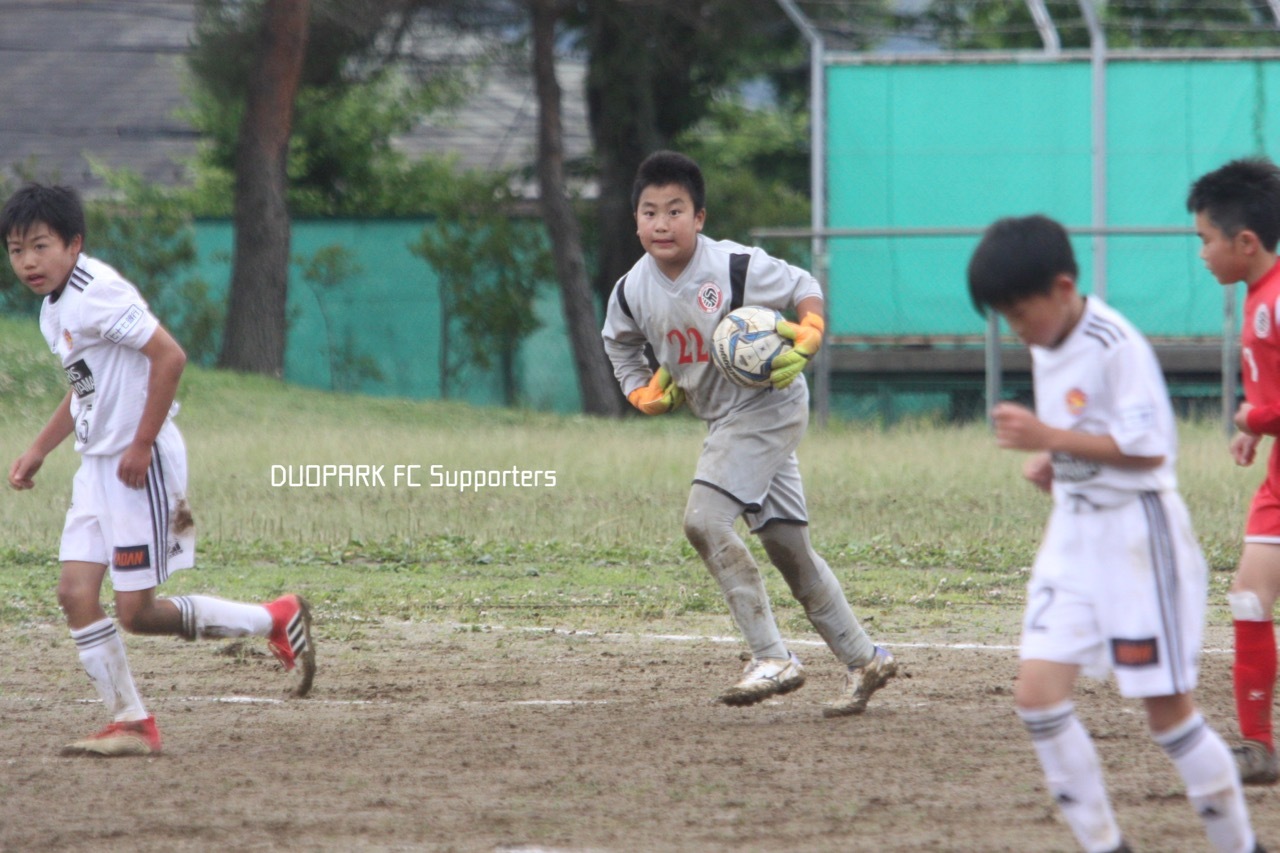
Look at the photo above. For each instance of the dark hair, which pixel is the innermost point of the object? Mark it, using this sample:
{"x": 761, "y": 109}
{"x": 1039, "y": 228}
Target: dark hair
{"x": 664, "y": 168}
{"x": 55, "y": 206}
{"x": 1242, "y": 195}
{"x": 1019, "y": 257}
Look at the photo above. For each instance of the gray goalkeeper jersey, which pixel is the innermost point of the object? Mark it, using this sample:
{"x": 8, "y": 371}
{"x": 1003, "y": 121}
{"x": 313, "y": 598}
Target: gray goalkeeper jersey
{"x": 677, "y": 318}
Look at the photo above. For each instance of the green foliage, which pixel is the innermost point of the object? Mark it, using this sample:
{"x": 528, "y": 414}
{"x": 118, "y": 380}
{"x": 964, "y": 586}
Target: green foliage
{"x": 490, "y": 265}
{"x": 1002, "y": 25}
{"x": 756, "y": 164}
{"x": 144, "y": 231}
{"x": 350, "y": 106}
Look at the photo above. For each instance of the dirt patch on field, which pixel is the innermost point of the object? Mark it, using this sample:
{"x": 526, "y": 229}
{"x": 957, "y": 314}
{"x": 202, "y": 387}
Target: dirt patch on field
{"x": 427, "y": 737}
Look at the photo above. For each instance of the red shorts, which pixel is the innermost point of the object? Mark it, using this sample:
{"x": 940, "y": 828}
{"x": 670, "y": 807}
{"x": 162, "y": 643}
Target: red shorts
{"x": 1264, "y": 515}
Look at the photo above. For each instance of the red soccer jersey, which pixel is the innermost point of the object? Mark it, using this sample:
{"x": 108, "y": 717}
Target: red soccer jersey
{"x": 1260, "y": 353}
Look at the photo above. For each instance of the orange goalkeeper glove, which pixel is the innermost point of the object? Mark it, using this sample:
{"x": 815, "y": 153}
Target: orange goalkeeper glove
{"x": 660, "y": 396}
{"x": 806, "y": 338}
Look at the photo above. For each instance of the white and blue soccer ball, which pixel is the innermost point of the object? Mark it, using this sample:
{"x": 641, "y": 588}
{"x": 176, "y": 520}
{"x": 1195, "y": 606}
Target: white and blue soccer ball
{"x": 745, "y": 344}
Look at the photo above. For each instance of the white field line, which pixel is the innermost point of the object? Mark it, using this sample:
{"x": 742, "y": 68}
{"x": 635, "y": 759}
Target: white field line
{"x": 672, "y": 638}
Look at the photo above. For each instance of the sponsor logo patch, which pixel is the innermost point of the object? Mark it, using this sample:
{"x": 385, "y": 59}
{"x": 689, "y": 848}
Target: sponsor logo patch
{"x": 710, "y": 297}
{"x": 132, "y": 557}
{"x": 124, "y": 324}
{"x": 1135, "y": 653}
{"x": 80, "y": 377}
{"x": 1262, "y": 321}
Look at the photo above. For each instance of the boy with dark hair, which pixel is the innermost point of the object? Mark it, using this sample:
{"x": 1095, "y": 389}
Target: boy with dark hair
{"x": 1119, "y": 583}
{"x": 672, "y": 299}
{"x": 1237, "y": 215}
{"x": 129, "y": 512}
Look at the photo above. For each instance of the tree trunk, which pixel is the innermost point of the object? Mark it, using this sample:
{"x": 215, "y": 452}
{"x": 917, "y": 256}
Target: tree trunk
{"x": 624, "y": 127}
{"x": 599, "y": 390}
{"x": 254, "y": 338}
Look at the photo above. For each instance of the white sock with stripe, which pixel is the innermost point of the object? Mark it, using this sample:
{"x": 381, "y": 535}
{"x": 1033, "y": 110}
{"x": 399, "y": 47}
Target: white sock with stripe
{"x": 102, "y": 655}
{"x": 1209, "y": 771}
{"x": 204, "y": 616}
{"x": 1074, "y": 774}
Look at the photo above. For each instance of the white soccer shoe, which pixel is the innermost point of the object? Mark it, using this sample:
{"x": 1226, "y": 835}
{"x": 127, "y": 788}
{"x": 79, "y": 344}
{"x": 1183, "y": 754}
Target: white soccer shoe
{"x": 860, "y": 683}
{"x": 765, "y": 677}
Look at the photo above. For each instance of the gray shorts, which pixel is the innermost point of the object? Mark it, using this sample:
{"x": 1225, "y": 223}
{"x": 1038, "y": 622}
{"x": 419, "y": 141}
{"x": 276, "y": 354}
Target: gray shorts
{"x": 750, "y": 455}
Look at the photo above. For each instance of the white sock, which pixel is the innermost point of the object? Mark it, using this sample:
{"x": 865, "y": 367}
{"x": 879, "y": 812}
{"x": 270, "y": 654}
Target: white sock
{"x": 206, "y": 616}
{"x": 102, "y": 655}
{"x": 1213, "y": 787}
{"x": 1074, "y": 774}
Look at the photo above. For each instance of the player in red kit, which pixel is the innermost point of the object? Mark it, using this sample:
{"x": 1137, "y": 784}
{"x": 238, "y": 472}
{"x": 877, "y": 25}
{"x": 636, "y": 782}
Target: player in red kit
{"x": 1237, "y": 215}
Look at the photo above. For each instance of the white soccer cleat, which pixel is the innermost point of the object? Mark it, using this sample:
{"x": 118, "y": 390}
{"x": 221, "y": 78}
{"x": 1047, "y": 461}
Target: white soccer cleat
{"x": 861, "y": 682}
{"x": 765, "y": 677}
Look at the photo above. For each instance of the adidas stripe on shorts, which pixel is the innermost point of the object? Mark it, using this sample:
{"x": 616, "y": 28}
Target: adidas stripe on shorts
{"x": 132, "y": 530}
{"x": 1121, "y": 589}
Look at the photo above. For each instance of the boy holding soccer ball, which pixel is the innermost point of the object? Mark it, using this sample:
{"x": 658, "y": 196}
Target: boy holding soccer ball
{"x": 1119, "y": 583}
{"x": 672, "y": 300}
{"x": 128, "y": 514}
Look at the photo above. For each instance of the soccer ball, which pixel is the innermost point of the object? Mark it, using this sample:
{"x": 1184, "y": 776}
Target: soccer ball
{"x": 745, "y": 344}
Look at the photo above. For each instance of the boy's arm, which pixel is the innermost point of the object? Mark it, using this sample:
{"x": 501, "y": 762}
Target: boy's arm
{"x": 1018, "y": 428}
{"x": 167, "y": 362}
{"x": 1258, "y": 420}
{"x": 23, "y": 470}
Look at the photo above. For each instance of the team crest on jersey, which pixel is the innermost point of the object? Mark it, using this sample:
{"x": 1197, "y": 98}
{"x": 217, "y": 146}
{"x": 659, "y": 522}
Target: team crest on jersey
{"x": 710, "y": 297}
{"x": 1262, "y": 321}
{"x": 1076, "y": 401}
{"x": 66, "y": 336}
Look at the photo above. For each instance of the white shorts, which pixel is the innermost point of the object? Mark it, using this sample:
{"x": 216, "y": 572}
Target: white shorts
{"x": 750, "y": 455}
{"x": 132, "y": 530}
{"x": 1121, "y": 590}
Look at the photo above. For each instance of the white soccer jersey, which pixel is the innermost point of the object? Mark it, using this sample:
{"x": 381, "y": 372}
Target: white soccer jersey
{"x": 677, "y": 318}
{"x": 1105, "y": 379}
{"x": 96, "y": 325}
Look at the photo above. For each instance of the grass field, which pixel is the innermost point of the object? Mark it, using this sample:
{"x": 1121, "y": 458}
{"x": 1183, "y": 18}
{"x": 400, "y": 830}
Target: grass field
{"x": 529, "y": 666}
{"x": 916, "y": 519}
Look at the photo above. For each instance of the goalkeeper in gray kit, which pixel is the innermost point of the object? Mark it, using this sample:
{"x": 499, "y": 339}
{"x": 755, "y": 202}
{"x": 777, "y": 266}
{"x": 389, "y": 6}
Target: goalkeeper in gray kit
{"x": 672, "y": 300}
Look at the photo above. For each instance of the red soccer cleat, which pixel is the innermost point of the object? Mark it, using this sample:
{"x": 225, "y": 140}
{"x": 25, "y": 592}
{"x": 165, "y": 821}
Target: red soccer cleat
{"x": 132, "y": 737}
{"x": 290, "y": 637}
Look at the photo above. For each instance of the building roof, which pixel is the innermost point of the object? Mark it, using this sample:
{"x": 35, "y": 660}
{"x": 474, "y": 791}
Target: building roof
{"x": 105, "y": 80}
{"x": 100, "y": 80}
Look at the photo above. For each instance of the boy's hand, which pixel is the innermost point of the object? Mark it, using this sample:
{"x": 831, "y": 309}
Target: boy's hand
{"x": 1038, "y": 470}
{"x": 660, "y": 396}
{"x": 1017, "y": 427}
{"x": 1244, "y": 447}
{"x": 806, "y": 338}
{"x": 134, "y": 463}
{"x": 1241, "y": 418}
{"x": 23, "y": 470}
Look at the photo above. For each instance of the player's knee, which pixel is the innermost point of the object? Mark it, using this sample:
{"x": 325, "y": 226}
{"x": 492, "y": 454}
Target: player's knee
{"x": 704, "y": 532}
{"x": 130, "y": 620}
{"x": 1246, "y": 606}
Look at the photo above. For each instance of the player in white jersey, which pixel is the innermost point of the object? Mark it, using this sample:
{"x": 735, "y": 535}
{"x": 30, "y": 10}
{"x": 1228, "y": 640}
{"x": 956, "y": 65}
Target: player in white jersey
{"x": 1119, "y": 583}
{"x": 672, "y": 300}
{"x": 129, "y": 514}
